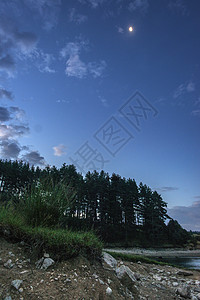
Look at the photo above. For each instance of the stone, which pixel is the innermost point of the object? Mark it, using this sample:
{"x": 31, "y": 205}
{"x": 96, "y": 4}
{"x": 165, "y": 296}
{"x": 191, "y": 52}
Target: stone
{"x": 184, "y": 273}
{"x": 16, "y": 283}
{"x": 175, "y": 284}
{"x": 127, "y": 277}
{"x": 8, "y": 298}
{"x": 44, "y": 263}
{"x": 9, "y": 264}
{"x": 109, "y": 260}
{"x": 198, "y": 296}
{"x": 46, "y": 255}
{"x": 108, "y": 291}
{"x": 184, "y": 292}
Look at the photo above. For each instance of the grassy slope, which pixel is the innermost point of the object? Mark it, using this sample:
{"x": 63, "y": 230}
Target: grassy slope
{"x": 62, "y": 244}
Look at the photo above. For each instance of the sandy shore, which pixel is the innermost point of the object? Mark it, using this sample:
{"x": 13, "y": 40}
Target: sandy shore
{"x": 158, "y": 253}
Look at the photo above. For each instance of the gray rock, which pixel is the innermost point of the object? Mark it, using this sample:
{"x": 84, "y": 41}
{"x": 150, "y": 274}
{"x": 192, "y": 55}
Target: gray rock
{"x": 108, "y": 291}
{"x": 198, "y": 296}
{"x": 44, "y": 263}
{"x": 109, "y": 260}
{"x": 47, "y": 263}
{"x": 9, "y": 264}
{"x": 175, "y": 284}
{"x": 46, "y": 255}
{"x": 16, "y": 283}
{"x": 127, "y": 278}
{"x": 184, "y": 273}
{"x": 8, "y": 298}
{"x": 184, "y": 292}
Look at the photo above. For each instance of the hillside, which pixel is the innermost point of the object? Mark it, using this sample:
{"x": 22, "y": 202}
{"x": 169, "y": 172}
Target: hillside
{"x": 79, "y": 278}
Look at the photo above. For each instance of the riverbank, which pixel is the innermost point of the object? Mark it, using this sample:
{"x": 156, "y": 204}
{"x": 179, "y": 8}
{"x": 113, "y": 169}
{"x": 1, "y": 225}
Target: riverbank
{"x": 157, "y": 253}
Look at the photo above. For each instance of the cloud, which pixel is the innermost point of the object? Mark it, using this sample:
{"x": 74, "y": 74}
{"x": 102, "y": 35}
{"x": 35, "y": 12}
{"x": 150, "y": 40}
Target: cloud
{"x": 14, "y": 44}
{"x": 12, "y": 131}
{"x": 183, "y": 89}
{"x": 5, "y": 94}
{"x": 34, "y": 158}
{"x": 4, "y": 114}
{"x": 76, "y": 17}
{"x": 196, "y": 113}
{"x": 178, "y": 6}
{"x": 92, "y": 3}
{"x": 44, "y": 65}
{"x": 48, "y": 10}
{"x": 10, "y": 149}
{"x": 59, "y": 150}
{"x": 75, "y": 67}
{"x": 141, "y": 5}
{"x": 187, "y": 216}
{"x": 167, "y": 189}
{"x": 103, "y": 101}
{"x": 120, "y": 29}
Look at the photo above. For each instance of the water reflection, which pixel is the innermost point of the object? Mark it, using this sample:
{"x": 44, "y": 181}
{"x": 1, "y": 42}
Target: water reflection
{"x": 187, "y": 262}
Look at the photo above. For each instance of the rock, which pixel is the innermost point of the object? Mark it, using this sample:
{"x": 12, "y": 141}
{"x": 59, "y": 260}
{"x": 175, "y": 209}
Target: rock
{"x": 9, "y": 264}
{"x": 184, "y": 292}
{"x": 44, "y": 263}
{"x": 16, "y": 283}
{"x": 46, "y": 255}
{"x": 198, "y": 296}
{"x": 8, "y": 298}
{"x": 109, "y": 260}
{"x": 108, "y": 291}
{"x": 184, "y": 273}
{"x": 127, "y": 277}
{"x": 21, "y": 290}
{"x": 175, "y": 284}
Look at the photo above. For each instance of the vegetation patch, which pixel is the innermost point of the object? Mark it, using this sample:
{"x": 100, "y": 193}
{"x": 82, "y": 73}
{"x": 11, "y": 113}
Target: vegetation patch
{"x": 60, "y": 243}
{"x": 136, "y": 258}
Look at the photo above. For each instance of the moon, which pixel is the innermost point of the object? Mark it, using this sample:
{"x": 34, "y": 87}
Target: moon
{"x": 130, "y": 28}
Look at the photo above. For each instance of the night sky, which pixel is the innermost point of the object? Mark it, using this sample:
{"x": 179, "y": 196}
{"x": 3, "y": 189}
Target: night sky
{"x": 76, "y": 86}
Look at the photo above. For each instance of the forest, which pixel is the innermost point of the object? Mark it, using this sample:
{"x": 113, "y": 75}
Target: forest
{"x": 118, "y": 210}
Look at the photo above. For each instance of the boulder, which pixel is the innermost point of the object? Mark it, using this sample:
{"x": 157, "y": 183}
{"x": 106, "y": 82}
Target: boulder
{"x": 184, "y": 273}
{"x": 184, "y": 292}
{"x": 127, "y": 278}
{"x": 109, "y": 260}
{"x": 44, "y": 263}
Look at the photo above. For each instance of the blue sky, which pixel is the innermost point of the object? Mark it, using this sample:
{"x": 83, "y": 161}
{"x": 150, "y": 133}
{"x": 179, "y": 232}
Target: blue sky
{"x": 77, "y": 86}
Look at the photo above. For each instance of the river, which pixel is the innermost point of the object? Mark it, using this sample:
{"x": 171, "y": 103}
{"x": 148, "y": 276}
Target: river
{"x": 186, "y": 262}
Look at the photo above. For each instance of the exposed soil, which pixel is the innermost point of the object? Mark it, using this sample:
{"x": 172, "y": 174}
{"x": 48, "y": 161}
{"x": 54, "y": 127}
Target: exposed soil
{"x": 81, "y": 279}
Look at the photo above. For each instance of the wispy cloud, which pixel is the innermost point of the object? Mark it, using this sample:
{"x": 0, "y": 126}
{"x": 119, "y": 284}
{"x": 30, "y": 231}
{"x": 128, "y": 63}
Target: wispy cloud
{"x": 196, "y": 113}
{"x": 48, "y": 10}
{"x": 178, "y": 6}
{"x": 187, "y": 216}
{"x": 183, "y": 89}
{"x": 141, "y": 5}
{"x": 59, "y": 150}
{"x": 92, "y": 3}
{"x": 120, "y": 29}
{"x": 77, "y": 18}
{"x": 167, "y": 189}
{"x": 6, "y": 94}
{"x": 75, "y": 66}
{"x": 13, "y": 44}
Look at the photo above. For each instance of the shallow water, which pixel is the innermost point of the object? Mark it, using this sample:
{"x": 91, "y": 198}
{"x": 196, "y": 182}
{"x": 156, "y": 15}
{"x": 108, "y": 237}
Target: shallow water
{"x": 186, "y": 262}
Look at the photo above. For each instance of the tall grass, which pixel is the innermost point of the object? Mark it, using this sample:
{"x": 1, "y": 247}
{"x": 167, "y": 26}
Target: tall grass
{"x": 60, "y": 243}
{"x": 45, "y": 203}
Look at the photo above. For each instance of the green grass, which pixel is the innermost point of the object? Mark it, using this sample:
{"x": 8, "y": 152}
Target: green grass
{"x": 60, "y": 243}
{"x": 136, "y": 258}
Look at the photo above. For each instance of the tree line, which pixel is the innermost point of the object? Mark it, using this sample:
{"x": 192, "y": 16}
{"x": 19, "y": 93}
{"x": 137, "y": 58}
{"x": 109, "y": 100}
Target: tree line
{"x": 116, "y": 208}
